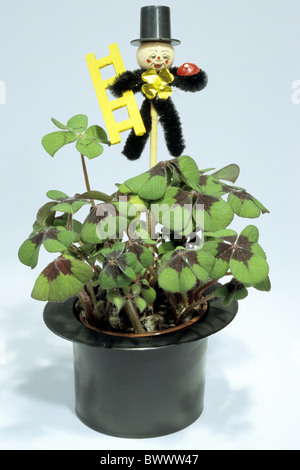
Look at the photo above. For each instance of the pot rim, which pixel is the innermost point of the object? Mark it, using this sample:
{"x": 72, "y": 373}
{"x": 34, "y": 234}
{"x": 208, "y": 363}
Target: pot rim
{"x": 60, "y": 318}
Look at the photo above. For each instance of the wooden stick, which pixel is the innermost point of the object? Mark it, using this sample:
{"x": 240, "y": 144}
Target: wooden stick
{"x": 153, "y": 137}
{"x": 153, "y": 152}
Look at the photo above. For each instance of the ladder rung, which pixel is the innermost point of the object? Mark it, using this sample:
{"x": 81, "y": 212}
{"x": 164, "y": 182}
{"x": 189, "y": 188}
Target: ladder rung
{"x": 104, "y": 61}
{"x": 117, "y": 103}
{"x": 124, "y": 125}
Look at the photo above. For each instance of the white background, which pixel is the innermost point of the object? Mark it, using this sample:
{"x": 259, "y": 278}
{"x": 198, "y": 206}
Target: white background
{"x": 249, "y": 114}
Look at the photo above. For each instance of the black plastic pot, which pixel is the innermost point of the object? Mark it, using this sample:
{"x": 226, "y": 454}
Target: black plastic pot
{"x": 138, "y": 387}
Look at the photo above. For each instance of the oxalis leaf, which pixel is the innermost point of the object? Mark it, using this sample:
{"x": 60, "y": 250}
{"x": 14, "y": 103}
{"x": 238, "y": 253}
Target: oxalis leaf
{"x": 245, "y": 205}
{"x": 232, "y": 290}
{"x": 63, "y": 221}
{"x": 144, "y": 255}
{"x": 105, "y": 222}
{"x": 61, "y": 279}
{"x": 116, "y": 298}
{"x": 56, "y": 140}
{"x": 45, "y": 214}
{"x": 148, "y": 292}
{"x": 140, "y": 303}
{"x": 241, "y": 254}
{"x": 180, "y": 271}
{"x": 209, "y": 212}
{"x": 264, "y": 285}
{"x": 55, "y": 239}
{"x": 150, "y": 185}
{"x": 211, "y": 185}
{"x": 89, "y": 143}
{"x": 187, "y": 169}
{"x": 217, "y": 213}
{"x": 88, "y": 140}
{"x": 229, "y": 173}
{"x": 175, "y": 210}
{"x": 77, "y": 123}
{"x": 118, "y": 267}
{"x": 65, "y": 203}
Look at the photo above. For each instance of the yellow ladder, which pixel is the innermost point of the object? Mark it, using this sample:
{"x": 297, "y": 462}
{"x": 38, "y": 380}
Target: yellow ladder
{"x": 108, "y": 106}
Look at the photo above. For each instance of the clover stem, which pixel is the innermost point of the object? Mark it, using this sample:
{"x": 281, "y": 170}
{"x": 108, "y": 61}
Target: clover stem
{"x": 192, "y": 296}
{"x": 92, "y": 293}
{"x": 133, "y": 316}
{"x": 172, "y": 304}
{"x": 70, "y": 222}
{"x": 86, "y": 177}
{"x": 185, "y": 299}
{"x": 203, "y": 287}
{"x": 197, "y": 304}
{"x": 86, "y": 305}
{"x": 153, "y": 273}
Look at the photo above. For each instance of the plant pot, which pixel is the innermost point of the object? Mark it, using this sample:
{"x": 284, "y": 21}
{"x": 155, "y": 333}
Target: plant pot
{"x": 138, "y": 387}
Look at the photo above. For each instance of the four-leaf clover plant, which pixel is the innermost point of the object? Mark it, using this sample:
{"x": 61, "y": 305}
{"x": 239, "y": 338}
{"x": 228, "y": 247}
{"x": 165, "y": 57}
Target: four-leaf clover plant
{"x": 143, "y": 258}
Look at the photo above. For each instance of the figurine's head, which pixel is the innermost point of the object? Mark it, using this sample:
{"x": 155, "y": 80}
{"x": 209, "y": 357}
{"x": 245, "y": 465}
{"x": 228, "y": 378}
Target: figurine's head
{"x": 156, "y": 55}
{"x": 155, "y": 43}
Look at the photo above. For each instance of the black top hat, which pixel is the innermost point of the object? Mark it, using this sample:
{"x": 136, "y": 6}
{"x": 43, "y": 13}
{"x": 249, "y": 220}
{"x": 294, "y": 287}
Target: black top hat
{"x": 155, "y": 26}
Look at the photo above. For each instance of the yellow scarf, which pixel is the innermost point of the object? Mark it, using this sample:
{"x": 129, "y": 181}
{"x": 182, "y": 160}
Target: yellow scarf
{"x": 157, "y": 84}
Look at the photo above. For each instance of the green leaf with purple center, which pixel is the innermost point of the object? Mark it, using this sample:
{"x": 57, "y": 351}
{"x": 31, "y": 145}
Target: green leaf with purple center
{"x": 175, "y": 211}
{"x": 187, "y": 170}
{"x": 233, "y": 290}
{"x": 241, "y": 254}
{"x": 150, "y": 185}
{"x": 180, "y": 270}
{"x": 54, "y": 239}
{"x": 65, "y": 203}
{"x": 143, "y": 254}
{"x": 119, "y": 267}
{"x": 107, "y": 221}
{"x": 61, "y": 279}
{"x": 245, "y": 205}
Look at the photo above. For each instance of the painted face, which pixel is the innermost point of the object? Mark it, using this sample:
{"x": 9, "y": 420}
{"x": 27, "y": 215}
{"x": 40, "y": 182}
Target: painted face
{"x": 155, "y": 55}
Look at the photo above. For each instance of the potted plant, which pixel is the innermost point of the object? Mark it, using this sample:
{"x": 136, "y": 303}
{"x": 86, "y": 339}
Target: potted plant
{"x": 142, "y": 281}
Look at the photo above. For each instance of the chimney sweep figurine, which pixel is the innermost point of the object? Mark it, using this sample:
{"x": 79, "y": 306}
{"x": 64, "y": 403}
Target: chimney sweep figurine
{"x": 155, "y": 56}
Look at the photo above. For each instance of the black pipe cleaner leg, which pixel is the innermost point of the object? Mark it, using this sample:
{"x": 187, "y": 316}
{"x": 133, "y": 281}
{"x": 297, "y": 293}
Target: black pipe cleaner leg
{"x": 170, "y": 121}
{"x": 135, "y": 144}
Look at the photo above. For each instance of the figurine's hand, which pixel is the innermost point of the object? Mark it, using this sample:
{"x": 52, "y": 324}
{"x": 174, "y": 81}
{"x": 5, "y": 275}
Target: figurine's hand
{"x": 187, "y": 69}
{"x": 188, "y": 77}
{"x": 128, "y": 80}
